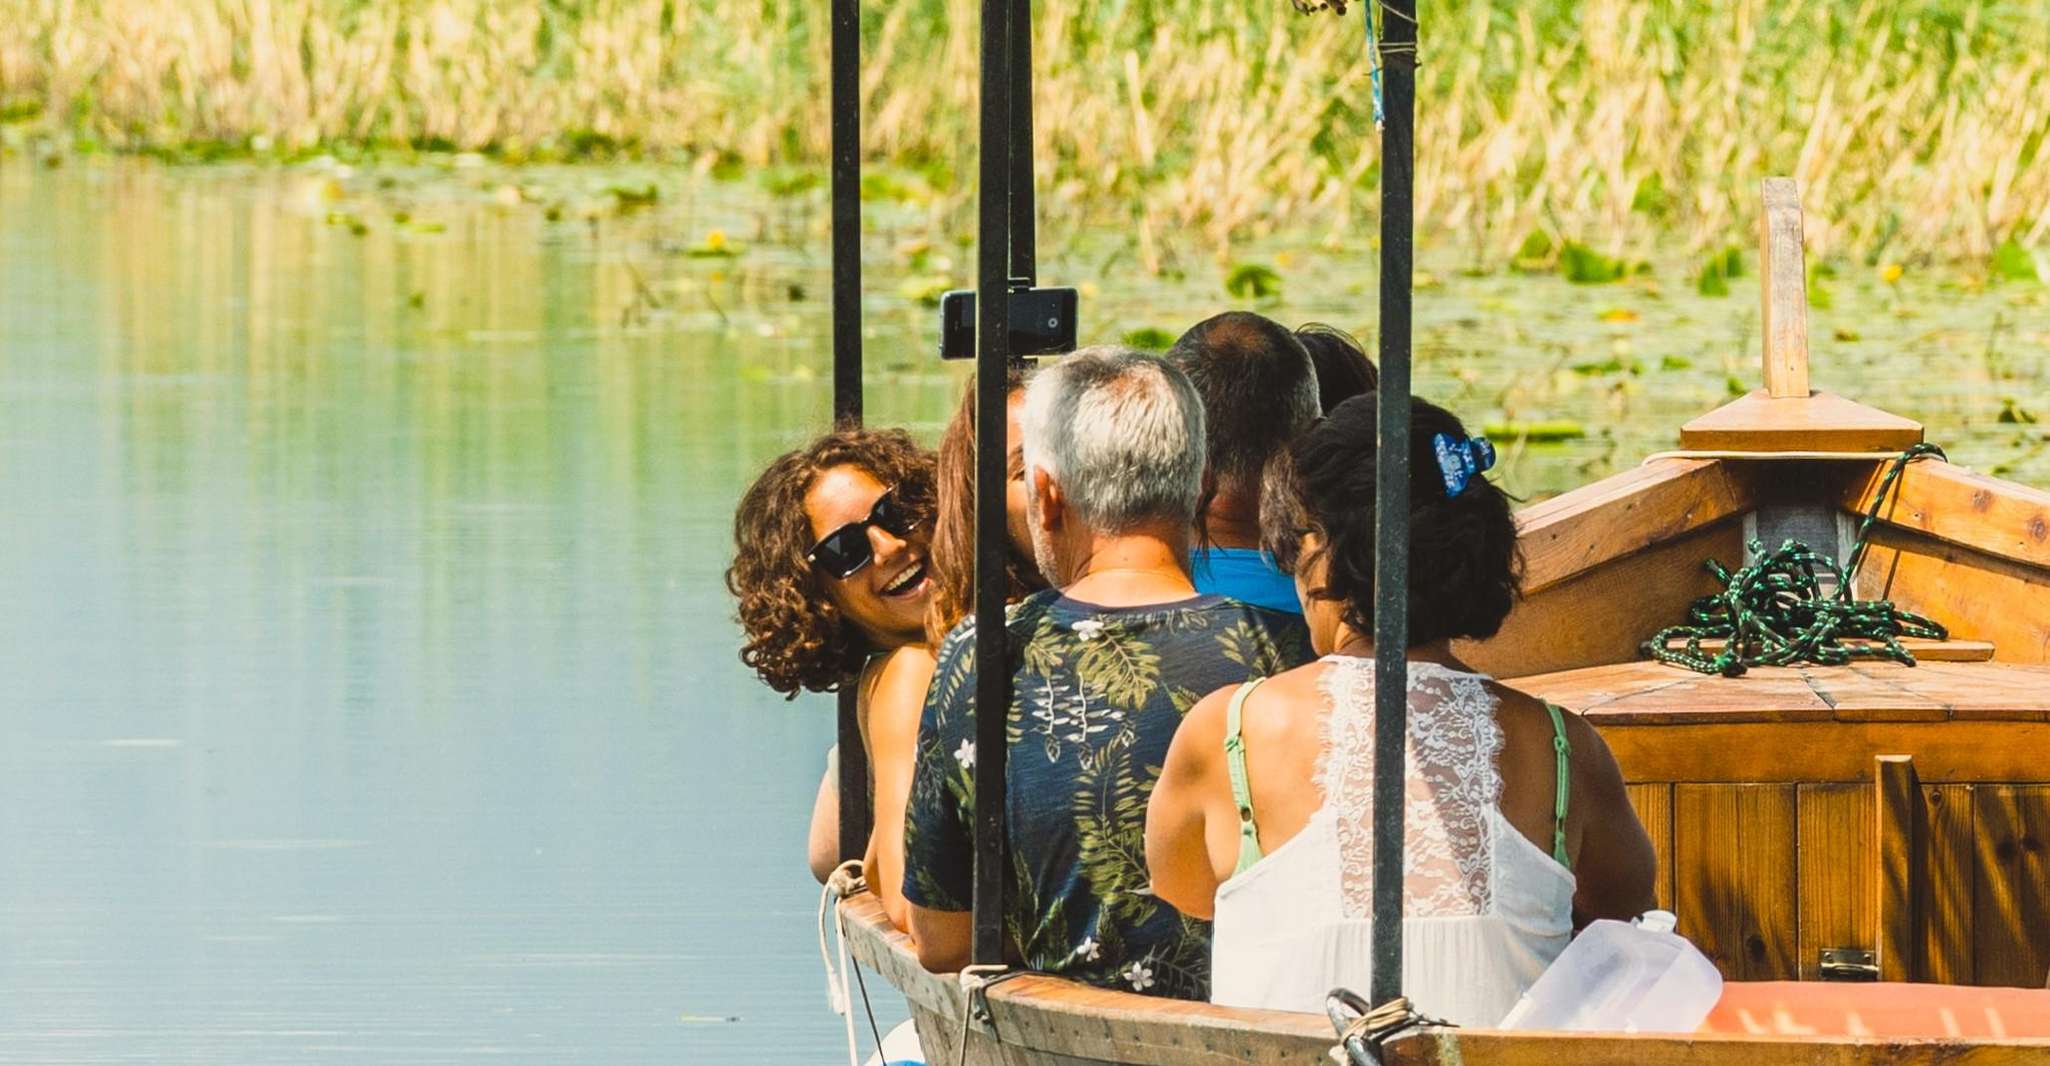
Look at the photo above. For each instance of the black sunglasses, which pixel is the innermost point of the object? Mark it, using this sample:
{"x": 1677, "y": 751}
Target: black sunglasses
{"x": 843, "y": 552}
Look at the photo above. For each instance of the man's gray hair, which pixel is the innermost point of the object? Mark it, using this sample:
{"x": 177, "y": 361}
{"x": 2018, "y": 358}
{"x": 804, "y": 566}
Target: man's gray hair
{"x": 1122, "y": 434}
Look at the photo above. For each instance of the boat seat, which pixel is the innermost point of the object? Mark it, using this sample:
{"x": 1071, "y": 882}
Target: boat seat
{"x": 1651, "y": 693}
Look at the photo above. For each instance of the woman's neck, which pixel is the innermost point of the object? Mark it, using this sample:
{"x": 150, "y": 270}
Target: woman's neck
{"x": 1353, "y": 644}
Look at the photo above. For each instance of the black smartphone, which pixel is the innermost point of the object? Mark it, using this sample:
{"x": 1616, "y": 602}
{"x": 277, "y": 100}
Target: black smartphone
{"x": 1042, "y": 322}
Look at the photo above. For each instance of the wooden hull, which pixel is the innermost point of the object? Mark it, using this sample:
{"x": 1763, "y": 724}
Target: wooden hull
{"x": 1779, "y": 833}
{"x": 1045, "y": 1021}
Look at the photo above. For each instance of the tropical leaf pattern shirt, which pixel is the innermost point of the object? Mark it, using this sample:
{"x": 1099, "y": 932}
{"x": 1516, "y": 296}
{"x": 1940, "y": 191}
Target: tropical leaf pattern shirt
{"x": 1096, "y": 694}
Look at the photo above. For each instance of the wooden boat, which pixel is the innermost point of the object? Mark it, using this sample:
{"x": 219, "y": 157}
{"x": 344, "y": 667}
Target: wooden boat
{"x": 1870, "y": 821}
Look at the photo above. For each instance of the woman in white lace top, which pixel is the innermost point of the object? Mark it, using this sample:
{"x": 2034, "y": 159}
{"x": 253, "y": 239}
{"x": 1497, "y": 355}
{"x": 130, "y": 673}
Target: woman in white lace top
{"x": 1517, "y": 827}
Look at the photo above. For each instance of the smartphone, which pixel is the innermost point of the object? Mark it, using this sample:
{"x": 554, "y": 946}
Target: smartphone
{"x": 1042, "y": 322}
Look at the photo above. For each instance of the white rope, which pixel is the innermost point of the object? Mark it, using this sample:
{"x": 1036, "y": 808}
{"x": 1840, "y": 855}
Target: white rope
{"x": 975, "y": 982}
{"x": 845, "y": 881}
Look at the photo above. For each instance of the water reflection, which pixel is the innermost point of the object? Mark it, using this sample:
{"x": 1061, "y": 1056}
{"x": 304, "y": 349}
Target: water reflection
{"x": 367, "y": 674}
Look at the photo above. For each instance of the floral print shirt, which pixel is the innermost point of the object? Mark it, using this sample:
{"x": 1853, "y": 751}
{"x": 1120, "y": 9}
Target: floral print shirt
{"x": 1096, "y": 694}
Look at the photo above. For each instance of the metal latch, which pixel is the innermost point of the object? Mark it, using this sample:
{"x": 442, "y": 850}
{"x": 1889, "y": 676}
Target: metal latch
{"x": 1849, "y": 964}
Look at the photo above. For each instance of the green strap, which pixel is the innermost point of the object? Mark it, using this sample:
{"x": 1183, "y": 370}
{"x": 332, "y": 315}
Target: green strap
{"x": 1241, "y": 793}
{"x": 1563, "y": 753}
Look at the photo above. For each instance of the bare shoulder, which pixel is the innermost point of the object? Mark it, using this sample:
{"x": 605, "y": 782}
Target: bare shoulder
{"x": 910, "y": 663}
{"x": 1205, "y": 720}
{"x": 896, "y": 693}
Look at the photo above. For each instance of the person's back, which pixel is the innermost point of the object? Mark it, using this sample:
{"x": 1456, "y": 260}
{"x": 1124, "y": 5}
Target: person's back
{"x": 1101, "y": 672}
{"x": 1263, "y": 816}
{"x": 1485, "y": 908}
{"x": 1096, "y": 695}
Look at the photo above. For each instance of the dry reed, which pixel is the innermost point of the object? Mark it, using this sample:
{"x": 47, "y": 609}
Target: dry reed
{"x": 1917, "y": 128}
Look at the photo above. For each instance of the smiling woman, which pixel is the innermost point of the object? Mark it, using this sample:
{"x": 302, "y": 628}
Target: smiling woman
{"x": 830, "y": 565}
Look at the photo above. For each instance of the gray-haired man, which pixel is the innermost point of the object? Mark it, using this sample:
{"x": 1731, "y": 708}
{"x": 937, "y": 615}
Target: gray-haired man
{"x": 1102, "y": 668}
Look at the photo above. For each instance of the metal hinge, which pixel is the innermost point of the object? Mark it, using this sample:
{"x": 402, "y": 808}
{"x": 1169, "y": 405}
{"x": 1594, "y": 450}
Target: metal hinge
{"x": 1849, "y": 964}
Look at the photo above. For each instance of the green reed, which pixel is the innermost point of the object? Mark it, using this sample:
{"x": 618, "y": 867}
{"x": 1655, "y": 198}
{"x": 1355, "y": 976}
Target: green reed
{"x": 1916, "y": 128}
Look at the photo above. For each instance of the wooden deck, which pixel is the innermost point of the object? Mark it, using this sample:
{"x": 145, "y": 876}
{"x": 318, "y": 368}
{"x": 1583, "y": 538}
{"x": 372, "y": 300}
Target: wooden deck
{"x": 1899, "y": 810}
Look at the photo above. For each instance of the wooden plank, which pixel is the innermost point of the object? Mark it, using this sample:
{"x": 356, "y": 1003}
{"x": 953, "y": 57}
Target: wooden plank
{"x": 1834, "y": 827}
{"x": 1602, "y": 615}
{"x": 1865, "y": 690}
{"x": 1821, "y": 422}
{"x": 1654, "y": 806}
{"x": 1869, "y": 692}
{"x": 1783, "y": 290}
{"x": 1733, "y": 876}
{"x": 1974, "y": 594}
{"x": 1924, "y": 651}
{"x": 1953, "y": 504}
{"x": 1800, "y": 752}
{"x": 1625, "y": 513}
{"x": 1646, "y": 692}
{"x": 1897, "y": 890}
{"x": 1949, "y": 860}
{"x": 2011, "y": 898}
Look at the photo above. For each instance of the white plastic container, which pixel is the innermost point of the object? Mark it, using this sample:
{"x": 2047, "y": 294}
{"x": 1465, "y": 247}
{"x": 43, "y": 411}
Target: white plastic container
{"x": 1622, "y": 977}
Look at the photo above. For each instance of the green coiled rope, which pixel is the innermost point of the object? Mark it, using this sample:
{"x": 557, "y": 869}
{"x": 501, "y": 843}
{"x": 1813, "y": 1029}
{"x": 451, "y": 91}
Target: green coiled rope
{"x": 1774, "y": 613}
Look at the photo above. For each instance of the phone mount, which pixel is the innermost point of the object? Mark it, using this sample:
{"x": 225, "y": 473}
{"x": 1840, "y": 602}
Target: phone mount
{"x": 1043, "y": 321}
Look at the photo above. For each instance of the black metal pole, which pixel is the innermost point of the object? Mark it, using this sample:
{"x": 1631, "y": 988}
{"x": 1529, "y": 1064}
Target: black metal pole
{"x": 1391, "y": 495}
{"x": 992, "y": 358}
{"x": 1024, "y": 226}
{"x": 846, "y": 167}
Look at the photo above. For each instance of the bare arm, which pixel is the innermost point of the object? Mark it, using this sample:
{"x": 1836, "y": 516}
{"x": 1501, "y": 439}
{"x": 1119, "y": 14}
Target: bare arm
{"x": 941, "y": 938}
{"x": 1616, "y": 866}
{"x": 1178, "y": 815}
{"x": 894, "y": 708}
{"x": 823, "y": 849}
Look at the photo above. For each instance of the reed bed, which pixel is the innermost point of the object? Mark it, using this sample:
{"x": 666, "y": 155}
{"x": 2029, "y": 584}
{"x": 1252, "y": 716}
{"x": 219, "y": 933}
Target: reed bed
{"x": 1916, "y": 128}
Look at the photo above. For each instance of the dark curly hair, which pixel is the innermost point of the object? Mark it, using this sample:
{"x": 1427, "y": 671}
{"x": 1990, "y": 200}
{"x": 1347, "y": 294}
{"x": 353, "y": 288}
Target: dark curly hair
{"x": 796, "y": 638}
{"x": 953, "y": 528}
{"x": 1464, "y": 568}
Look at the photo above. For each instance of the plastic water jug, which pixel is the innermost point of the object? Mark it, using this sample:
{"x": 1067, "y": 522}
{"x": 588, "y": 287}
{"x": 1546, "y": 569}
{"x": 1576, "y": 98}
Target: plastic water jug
{"x": 1627, "y": 977}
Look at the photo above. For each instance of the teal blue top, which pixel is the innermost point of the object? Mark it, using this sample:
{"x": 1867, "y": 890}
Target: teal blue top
{"x": 1245, "y": 575}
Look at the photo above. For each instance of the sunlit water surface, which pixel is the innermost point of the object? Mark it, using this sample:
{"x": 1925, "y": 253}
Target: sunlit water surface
{"x": 368, "y": 684}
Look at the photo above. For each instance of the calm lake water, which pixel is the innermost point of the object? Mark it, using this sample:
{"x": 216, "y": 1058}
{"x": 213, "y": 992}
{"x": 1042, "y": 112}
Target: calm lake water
{"x": 368, "y": 683}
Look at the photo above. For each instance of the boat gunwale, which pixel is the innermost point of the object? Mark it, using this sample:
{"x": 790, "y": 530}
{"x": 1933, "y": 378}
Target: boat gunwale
{"x": 1029, "y": 1005}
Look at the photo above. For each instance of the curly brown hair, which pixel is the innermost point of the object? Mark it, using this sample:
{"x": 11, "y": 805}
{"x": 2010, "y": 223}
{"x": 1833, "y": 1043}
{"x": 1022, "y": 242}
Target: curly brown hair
{"x": 796, "y": 637}
{"x": 953, "y": 530}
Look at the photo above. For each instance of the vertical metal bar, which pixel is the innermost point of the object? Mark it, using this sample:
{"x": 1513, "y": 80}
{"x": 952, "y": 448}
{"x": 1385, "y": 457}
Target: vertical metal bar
{"x": 992, "y": 359}
{"x": 1391, "y": 496}
{"x": 846, "y": 184}
{"x": 1024, "y": 225}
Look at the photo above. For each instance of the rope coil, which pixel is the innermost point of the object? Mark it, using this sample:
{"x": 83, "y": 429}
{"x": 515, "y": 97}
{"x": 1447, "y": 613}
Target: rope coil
{"x": 1363, "y": 1030}
{"x": 1774, "y": 612}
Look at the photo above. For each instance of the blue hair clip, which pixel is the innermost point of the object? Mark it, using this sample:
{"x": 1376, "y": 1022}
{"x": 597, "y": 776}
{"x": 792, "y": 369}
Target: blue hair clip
{"x": 1459, "y": 460}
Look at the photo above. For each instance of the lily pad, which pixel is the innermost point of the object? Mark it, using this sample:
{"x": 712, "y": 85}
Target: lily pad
{"x": 1584, "y": 266}
{"x": 1542, "y": 431}
{"x": 2014, "y": 263}
{"x": 1152, "y": 338}
{"x": 1253, "y": 281}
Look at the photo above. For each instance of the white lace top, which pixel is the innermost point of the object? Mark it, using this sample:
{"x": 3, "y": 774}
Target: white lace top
{"x": 1484, "y": 909}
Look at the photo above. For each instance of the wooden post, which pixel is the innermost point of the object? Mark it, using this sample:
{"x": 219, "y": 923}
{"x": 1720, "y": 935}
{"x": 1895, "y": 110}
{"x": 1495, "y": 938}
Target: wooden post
{"x": 1902, "y": 867}
{"x": 1783, "y": 291}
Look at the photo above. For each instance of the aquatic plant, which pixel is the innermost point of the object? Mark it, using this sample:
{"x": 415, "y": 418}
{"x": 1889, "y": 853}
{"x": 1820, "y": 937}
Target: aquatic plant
{"x": 1915, "y": 128}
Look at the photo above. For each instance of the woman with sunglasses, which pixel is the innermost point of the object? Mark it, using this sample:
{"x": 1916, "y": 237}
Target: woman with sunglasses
{"x": 831, "y": 570}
